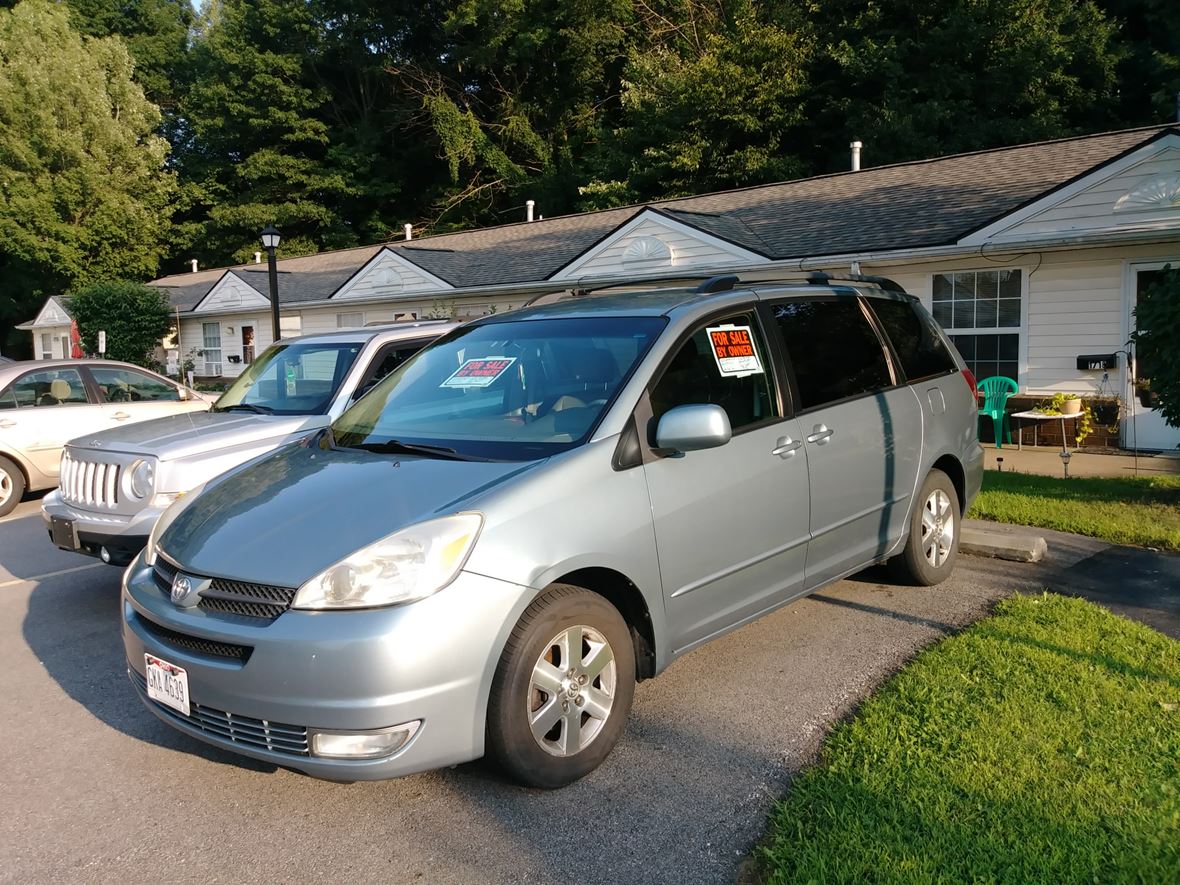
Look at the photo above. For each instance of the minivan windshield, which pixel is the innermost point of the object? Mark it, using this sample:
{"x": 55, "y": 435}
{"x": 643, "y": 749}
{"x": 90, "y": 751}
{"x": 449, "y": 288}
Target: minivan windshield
{"x": 291, "y": 379}
{"x": 508, "y": 390}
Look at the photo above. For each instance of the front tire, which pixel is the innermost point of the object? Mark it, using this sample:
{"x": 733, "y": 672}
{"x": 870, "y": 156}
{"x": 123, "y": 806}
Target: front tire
{"x": 563, "y": 688}
{"x": 12, "y": 486}
{"x": 933, "y": 543}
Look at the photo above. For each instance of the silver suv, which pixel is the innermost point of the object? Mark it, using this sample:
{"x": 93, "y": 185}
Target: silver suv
{"x": 488, "y": 551}
{"x": 115, "y": 484}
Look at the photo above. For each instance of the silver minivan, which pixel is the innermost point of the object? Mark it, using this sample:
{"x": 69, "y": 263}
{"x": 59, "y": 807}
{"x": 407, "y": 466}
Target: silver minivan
{"x": 486, "y": 552}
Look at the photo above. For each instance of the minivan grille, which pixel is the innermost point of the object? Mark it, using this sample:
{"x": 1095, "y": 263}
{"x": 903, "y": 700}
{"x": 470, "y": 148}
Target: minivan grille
{"x": 89, "y": 483}
{"x": 262, "y": 734}
{"x": 261, "y": 601}
{"x": 196, "y": 644}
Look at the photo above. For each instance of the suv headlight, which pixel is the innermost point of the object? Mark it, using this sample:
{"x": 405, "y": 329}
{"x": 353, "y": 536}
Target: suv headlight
{"x": 166, "y": 519}
{"x": 139, "y": 478}
{"x": 406, "y": 566}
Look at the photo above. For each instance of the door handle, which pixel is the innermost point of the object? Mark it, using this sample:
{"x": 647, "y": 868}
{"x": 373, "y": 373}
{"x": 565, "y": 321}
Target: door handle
{"x": 820, "y": 434}
{"x": 785, "y": 447}
{"x": 120, "y": 416}
{"x": 7, "y": 423}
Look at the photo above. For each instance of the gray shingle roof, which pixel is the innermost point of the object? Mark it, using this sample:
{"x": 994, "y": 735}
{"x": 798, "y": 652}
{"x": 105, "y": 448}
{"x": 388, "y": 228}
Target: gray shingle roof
{"x": 902, "y": 206}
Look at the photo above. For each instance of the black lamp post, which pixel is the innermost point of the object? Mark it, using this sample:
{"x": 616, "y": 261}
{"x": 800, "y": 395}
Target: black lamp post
{"x": 270, "y": 242}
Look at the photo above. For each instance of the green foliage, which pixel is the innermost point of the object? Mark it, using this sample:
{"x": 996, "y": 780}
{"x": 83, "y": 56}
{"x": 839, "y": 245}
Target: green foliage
{"x": 134, "y": 316}
{"x": 1040, "y": 745}
{"x": 1157, "y": 329}
{"x": 84, "y": 193}
{"x": 1144, "y": 512}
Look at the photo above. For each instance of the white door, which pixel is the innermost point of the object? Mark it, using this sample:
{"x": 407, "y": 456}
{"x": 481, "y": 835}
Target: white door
{"x": 1143, "y": 426}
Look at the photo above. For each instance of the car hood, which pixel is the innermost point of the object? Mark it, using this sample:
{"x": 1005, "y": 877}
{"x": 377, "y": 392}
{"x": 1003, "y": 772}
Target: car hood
{"x": 195, "y": 433}
{"x": 285, "y": 518}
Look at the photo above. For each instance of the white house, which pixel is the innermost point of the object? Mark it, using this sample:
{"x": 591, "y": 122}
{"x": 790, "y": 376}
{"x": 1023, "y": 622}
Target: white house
{"x": 1030, "y": 256}
{"x": 51, "y": 332}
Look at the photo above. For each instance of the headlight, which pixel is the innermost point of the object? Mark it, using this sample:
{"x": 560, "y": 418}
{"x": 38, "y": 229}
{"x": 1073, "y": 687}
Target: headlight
{"x": 166, "y": 519}
{"x": 139, "y": 478}
{"x": 405, "y": 566}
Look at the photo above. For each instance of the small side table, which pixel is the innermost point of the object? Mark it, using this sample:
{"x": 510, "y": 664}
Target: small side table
{"x": 1036, "y": 417}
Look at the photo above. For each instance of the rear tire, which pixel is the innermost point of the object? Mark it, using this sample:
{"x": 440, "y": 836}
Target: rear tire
{"x": 933, "y": 543}
{"x": 12, "y": 486}
{"x": 563, "y": 688}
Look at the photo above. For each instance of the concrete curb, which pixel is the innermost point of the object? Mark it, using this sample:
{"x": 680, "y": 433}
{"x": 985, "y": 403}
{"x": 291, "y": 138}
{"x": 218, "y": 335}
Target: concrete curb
{"x": 1000, "y": 541}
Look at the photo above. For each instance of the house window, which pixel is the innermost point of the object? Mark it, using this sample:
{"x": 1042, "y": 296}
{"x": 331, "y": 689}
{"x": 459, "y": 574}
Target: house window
{"x": 350, "y": 320}
{"x": 46, "y": 346}
{"x": 980, "y": 310}
{"x": 211, "y": 344}
{"x": 290, "y": 326}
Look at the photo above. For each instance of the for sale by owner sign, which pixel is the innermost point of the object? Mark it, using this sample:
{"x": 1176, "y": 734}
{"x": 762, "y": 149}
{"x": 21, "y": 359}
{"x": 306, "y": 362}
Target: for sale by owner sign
{"x": 733, "y": 348}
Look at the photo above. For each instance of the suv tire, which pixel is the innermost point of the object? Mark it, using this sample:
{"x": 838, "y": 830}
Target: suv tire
{"x": 12, "y": 486}
{"x": 933, "y": 543}
{"x": 554, "y": 713}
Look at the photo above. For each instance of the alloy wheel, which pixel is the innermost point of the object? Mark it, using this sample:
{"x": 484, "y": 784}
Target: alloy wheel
{"x": 571, "y": 690}
{"x": 938, "y": 528}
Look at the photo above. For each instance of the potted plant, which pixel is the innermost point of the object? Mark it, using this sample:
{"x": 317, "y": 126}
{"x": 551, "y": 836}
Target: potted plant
{"x": 1061, "y": 404}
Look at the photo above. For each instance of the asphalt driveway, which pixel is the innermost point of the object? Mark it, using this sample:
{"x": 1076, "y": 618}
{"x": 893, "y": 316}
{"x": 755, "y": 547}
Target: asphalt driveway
{"x": 96, "y": 789}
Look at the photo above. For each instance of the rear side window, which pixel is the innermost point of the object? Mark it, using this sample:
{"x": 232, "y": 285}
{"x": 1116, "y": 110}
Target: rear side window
{"x": 915, "y": 339}
{"x": 833, "y": 349}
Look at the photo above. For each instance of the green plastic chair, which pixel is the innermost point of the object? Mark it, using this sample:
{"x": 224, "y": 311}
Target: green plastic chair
{"x": 996, "y": 391}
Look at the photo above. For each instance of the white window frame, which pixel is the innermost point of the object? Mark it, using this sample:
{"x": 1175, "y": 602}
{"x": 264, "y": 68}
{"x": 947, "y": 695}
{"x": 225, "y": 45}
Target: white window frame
{"x": 212, "y": 354}
{"x": 1021, "y": 331}
{"x": 46, "y": 346}
{"x": 341, "y": 322}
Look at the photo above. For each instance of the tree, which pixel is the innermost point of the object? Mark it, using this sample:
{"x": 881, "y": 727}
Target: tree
{"x": 712, "y": 99}
{"x": 134, "y": 316}
{"x": 259, "y": 148}
{"x": 926, "y": 78}
{"x": 1157, "y": 329}
{"x": 84, "y": 193}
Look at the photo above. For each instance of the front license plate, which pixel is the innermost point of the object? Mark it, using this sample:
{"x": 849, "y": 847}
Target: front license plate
{"x": 62, "y": 532}
{"x": 167, "y": 683}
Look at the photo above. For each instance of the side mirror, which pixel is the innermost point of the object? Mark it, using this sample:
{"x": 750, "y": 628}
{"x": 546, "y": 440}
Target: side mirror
{"x": 689, "y": 428}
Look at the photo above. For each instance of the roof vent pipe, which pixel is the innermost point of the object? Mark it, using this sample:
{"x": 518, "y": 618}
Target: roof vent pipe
{"x": 258, "y": 258}
{"x": 856, "y": 146}
{"x": 194, "y": 261}
{"x": 528, "y": 209}
{"x": 409, "y": 229}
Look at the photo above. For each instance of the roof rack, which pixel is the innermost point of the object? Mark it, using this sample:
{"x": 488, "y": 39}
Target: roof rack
{"x": 707, "y": 284}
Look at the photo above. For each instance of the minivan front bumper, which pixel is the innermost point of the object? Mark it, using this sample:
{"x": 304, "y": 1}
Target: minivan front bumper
{"x": 263, "y": 689}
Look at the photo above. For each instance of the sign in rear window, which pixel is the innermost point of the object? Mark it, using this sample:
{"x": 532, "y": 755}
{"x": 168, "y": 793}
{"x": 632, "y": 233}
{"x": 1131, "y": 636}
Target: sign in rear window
{"x": 733, "y": 348}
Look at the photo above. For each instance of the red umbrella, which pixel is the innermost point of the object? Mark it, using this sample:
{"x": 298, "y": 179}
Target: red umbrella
{"x": 75, "y": 341}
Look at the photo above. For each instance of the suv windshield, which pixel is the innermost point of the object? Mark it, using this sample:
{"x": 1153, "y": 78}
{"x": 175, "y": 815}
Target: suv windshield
{"x": 506, "y": 390}
{"x": 292, "y": 379}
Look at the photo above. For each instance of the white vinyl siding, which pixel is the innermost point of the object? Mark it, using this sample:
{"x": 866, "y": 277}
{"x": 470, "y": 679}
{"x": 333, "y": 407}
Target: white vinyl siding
{"x": 390, "y": 275}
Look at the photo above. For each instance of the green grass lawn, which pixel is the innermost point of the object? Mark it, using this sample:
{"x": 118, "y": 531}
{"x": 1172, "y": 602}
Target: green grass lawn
{"x": 1040, "y": 745}
{"x": 1143, "y": 511}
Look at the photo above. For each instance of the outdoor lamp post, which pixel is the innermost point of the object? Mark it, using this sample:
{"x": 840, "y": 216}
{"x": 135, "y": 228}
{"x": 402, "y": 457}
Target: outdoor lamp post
{"x": 270, "y": 242}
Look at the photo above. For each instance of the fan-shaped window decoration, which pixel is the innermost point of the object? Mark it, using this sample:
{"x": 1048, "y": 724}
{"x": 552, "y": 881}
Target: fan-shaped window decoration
{"x": 1160, "y": 192}
{"x": 231, "y": 297}
{"x": 389, "y": 279}
{"x": 647, "y": 252}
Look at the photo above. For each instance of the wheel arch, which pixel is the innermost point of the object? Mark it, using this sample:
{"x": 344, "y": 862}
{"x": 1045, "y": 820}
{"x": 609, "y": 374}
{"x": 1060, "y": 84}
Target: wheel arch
{"x": 953, "y": 468}
{"x": 621, "y": 592}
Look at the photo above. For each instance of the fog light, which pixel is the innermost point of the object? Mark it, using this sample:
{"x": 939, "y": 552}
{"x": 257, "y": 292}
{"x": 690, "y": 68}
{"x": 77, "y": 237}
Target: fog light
{"x": 363, "y": 744}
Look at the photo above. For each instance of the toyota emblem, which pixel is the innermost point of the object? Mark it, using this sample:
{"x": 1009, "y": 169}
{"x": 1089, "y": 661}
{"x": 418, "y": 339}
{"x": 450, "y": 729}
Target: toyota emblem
{"x": 184, "y": 592}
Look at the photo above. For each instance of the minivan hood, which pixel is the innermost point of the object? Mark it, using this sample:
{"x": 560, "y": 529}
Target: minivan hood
{"x": 196, "y": 433}
{"x": 285, "y": 518}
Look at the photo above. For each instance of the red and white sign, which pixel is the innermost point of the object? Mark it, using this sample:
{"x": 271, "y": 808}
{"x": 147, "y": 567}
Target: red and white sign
{"x": 479, "y": 372}
{"x": 733, "y": 348}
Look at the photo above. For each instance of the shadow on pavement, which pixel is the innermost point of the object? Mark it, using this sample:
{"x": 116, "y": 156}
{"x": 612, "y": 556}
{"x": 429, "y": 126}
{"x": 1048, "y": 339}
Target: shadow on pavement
{"x": 72, "y": 625}
{"x": 1140, "y": 584}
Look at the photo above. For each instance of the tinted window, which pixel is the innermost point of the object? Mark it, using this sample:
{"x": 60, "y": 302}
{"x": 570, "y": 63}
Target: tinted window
{"x": 126, "y": 386}
{"x": 695, "y": 375}
{"x": 52, "y": 387}
{"x": 914, "y": 337}
{"x": 834, "y": 351}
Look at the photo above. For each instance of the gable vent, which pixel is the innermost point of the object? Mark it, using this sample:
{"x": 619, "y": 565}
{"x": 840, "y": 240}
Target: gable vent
{"x": 647, "y": 252}
{"x": 1160, "y": 192}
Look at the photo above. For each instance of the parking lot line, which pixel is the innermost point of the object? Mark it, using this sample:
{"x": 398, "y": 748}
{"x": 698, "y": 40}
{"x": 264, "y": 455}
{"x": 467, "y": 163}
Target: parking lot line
{"x": 63, "y": 571}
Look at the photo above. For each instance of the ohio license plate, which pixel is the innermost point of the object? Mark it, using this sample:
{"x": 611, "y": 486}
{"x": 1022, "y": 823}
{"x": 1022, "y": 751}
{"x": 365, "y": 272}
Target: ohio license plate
{"x": 63, "y": 533}
{"x": 167, "y": 683}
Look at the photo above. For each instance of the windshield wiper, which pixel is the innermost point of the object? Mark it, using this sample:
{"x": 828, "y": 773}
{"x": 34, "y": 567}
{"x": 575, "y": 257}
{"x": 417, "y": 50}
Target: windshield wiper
{"x": 393, "y": 446}
{"x": 249, "y": 407}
